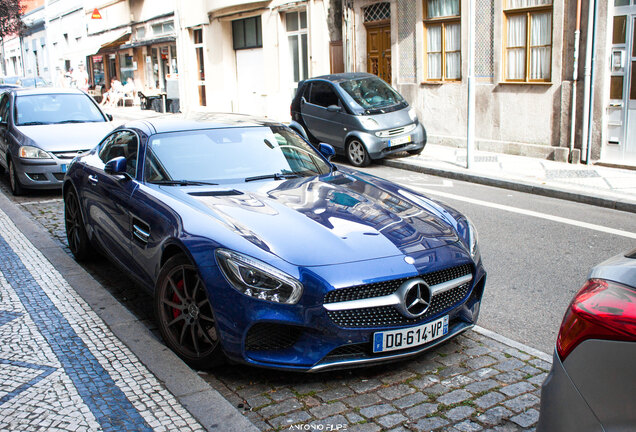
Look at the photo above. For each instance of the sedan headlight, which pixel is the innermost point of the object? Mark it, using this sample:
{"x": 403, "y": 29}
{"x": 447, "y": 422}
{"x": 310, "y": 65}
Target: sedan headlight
{"x": 369, "y": 123}
{"x": 257, "y": 279}
{"x": 30, "y": 152}
{"x": 412, "y": 114}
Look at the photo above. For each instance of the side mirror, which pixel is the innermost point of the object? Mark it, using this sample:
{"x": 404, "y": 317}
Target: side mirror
{"x": 303, "y": 100}
{"x": 326, "y": 150}
{"x": 116, "y": 166}
{"x": 109, "y": 117}
{"x": 334, "y": 108}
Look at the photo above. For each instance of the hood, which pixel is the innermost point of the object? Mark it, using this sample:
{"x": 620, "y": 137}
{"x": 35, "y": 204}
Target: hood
{"x": 321, "y": 221}
{"x": 66, "y": 137}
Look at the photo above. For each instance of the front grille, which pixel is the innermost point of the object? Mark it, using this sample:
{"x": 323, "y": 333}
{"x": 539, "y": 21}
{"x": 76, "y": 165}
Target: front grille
{"x": 396, "y": 131}
{"x": 380, "y": 289}
{"x": 67, "y": 154}
{"x": 350, "y": 351}
{"x": 270, "y": 336}
{"x": 389, "y": 315}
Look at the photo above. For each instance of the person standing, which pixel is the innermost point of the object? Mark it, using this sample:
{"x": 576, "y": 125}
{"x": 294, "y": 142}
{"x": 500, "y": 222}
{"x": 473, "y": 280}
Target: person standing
{"x": 81, "y": 78}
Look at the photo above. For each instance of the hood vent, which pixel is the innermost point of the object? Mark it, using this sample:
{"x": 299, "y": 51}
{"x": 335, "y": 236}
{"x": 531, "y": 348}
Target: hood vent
{"x": 216, "y": 193}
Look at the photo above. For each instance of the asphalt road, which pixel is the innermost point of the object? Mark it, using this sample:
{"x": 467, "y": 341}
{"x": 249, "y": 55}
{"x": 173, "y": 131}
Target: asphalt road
{"x": 538, "y": 251}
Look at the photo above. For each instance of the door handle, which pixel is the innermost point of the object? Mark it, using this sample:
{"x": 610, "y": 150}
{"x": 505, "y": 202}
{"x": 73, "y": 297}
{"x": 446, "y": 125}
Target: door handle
{"x": 92, "y": 179}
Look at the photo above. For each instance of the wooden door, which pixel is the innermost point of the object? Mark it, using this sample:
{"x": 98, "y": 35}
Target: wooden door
{"x": 379, "y": 50}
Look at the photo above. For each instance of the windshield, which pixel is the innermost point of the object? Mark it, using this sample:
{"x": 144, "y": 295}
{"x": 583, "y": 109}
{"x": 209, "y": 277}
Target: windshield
{"x": 55, "y": 109}
{"x": 230, "y": 155}
{"x": 372, "y": 93}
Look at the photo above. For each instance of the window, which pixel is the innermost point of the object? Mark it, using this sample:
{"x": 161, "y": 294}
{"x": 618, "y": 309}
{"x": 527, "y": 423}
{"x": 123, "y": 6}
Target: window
{"x": 246, "y": 33}
{"x": 4, "y": 109}
{"x": 296, "y": 25}
{"x": 163, "y": 28}
{"x": 443, "y": 40}
{"x": 121, "y": 144}
{"x": 197, "y": 39}
{"x": 528, "y": 40}
{"x": 322, "y": 94}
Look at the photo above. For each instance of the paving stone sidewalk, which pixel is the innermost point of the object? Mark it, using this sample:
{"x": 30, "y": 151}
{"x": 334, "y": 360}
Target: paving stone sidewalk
{"x": 60, "y": 366}
{"x": 472, "y": 383}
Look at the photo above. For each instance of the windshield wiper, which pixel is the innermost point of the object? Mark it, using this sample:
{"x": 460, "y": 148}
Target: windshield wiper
{"x": 183, "y": 183}
{"x": 276, "y": 176}
{"x": 74, "y": 121}
{"x": 33, "y": 123}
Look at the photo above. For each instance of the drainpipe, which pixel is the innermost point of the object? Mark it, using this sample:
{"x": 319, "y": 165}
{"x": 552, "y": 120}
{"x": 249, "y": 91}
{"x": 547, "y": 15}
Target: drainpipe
{"x": 587, "y": 75}
{"x": 575, "y": 77}
{"x": 470, "y": 126}
{"x": 591, "y": 107}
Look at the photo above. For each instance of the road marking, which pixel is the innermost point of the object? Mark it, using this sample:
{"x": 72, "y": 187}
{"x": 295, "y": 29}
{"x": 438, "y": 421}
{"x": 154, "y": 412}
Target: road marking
{"x": 545, "y": 216}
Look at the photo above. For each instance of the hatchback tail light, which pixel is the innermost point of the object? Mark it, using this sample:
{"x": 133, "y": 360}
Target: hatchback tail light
{"x": 601, "y": 310}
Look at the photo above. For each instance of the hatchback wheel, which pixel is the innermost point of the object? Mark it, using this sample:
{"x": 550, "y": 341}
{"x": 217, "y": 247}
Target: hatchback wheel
{"x": 185, "y": 316}
{"x": 14, "y": 181}
{"x": 78, "y": 241}
{"x": 357, "y": 153}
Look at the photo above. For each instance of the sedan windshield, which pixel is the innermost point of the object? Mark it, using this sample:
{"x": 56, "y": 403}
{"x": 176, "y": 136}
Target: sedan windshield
{"x": 230, "y": 155}
{"x": 372, "y": 93}
{"x": 55, "y": 109}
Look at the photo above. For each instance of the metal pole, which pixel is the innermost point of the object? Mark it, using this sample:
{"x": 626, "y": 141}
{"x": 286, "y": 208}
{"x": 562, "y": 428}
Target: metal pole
{"x": 587, "y": 76}
{"x": 590, "y": 124}
{"x": 575, "y": 77}
{"x": 470, "y": 130}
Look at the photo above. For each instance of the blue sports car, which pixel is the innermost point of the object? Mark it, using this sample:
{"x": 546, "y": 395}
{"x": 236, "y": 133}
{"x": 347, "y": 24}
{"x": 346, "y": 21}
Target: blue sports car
{"x": 259, "y": 250}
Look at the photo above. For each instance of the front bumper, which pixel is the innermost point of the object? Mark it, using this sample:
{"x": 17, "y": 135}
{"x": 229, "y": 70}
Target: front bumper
{"x": 304, "y": 337}
{"x": 41, "y": 173}
{"x": 381, "y": 147}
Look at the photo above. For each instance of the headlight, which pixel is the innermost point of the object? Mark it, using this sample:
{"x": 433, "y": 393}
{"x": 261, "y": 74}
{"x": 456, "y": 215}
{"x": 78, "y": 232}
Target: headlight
{"x": 257, "y": 279}
{"x": 472, "y": 239}
{"x": 29, "y": 152}
{"x": 412, "y": 114}
{"x": 369, "y": 123}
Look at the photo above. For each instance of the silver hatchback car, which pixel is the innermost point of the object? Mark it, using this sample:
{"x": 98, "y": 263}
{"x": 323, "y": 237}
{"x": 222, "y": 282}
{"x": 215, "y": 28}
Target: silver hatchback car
{"x": 360, "y": 115}
{"x": 592, "y": 384}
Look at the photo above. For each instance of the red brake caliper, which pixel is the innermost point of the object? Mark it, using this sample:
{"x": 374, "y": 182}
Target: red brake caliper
{"x": 176, "y": 312}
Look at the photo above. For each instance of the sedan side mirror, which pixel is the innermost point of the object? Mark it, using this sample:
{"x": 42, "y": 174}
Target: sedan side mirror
{"x": 326, "y": 150}
{"x": 334, "y": 108}
{"x": 116, "y": 166}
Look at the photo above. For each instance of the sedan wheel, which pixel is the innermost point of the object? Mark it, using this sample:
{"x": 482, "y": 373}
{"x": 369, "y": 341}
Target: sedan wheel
{"x": 78, "y": 241}
{"x": 185, "y": 316}
{"x": 357, "y": 154}
{"x": 14, "y": 181}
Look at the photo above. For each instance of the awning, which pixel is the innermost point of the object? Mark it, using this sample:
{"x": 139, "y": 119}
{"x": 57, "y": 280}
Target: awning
{"x": 159, "y": 40}
{"x": 116, "y": 43}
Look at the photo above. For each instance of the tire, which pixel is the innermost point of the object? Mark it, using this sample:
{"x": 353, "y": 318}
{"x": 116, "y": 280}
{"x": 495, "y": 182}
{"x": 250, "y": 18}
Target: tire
{"x": 415, "y": 152}
{"x": 357, "y": 153}
{"x": 185, "y": 316}
{"x": 78, "y": 241}
{"x": 14, "y": 181}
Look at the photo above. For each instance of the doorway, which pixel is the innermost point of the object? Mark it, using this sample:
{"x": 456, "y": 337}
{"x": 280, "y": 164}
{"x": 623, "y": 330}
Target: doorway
{"x": 377, "y": 22}
{"x": 620, "y": 146}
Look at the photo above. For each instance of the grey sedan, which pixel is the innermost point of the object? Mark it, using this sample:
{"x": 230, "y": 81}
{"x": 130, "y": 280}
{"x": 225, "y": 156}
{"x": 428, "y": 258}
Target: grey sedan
{"x": 592, "y": 384}
{"x": 42, "y": 130}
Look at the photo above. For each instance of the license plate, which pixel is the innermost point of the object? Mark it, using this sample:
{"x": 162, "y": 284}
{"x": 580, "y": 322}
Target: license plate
{"x": 401, "y": 140}
{"x": 410, "y": 337}
{"x": 63, "y": 168}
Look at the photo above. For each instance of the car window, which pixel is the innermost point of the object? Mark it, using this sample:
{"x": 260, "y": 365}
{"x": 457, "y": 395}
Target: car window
{"x": 230, "y": 154}
{"x": 4, "y": 108}
{"x": 322, "y": 94}
{"x": 55, "y": 109}
{"x": 124, "y": 143}
{"x": 372, "y": 93}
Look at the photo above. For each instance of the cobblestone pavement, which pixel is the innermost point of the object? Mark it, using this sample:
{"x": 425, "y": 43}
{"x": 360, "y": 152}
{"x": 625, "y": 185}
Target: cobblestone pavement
{"x": 60, "y": 366}
{"x": 472, "y": 383}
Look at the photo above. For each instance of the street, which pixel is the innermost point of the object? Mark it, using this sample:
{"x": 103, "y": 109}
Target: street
{"x": 532, "y": 248}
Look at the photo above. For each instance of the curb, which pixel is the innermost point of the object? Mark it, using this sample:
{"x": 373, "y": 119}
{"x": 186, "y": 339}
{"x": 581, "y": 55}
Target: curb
{"x": 520, "y": 186}
{"x": 203, "y": 402}
{"x": 513, "y": 344}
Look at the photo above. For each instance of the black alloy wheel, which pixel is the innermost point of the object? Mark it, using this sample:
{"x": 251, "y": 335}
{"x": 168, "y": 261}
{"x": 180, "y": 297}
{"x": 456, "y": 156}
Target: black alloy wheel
{"x": 186, "y": 319}
{"x": 14, "y": 181}
{"x": 78, "y": 241}
{"x": 357, "y": 153}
